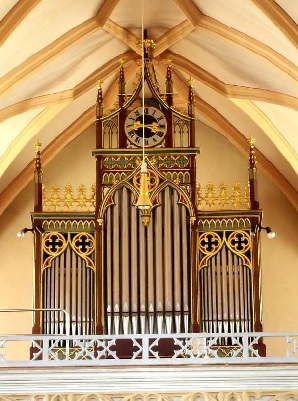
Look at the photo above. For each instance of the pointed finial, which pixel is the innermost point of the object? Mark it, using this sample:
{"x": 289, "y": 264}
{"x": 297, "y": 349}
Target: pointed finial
{"x": 251, "y": 141}
{"x": 191, "y": 81}
{"x": 169, "y": 62}
{"x": 191, "y": 97}
{"x": 252, "y": 154}
{"x": 121, "y": 61}
{"x": 99, "y": 83}
{"x": 37, "y": 145}
{"x": 37, "y": 163}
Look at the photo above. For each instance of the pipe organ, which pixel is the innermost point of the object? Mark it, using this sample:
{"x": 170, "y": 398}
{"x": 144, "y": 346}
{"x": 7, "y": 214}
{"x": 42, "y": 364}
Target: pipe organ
{"x": 171, "y": 269}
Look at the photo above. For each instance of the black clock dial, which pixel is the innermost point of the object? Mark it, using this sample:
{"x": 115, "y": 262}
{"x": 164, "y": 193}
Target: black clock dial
{"x": 155, "y": 126}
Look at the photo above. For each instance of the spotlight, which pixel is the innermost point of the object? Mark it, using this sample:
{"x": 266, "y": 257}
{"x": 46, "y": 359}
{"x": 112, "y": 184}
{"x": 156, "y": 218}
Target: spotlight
{"x": 270, "y": 233}
{"x": 37, "y": 229}
{"x": 23, "y": 232}
{"x": 256, "y": 227}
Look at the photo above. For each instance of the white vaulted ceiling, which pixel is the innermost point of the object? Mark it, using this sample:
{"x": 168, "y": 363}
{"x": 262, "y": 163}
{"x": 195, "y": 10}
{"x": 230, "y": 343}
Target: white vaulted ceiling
{"x": 242, "y": 55}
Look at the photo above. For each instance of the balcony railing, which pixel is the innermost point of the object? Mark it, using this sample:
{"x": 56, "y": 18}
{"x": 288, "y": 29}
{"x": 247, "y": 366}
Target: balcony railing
{"x": 167, "y": 349}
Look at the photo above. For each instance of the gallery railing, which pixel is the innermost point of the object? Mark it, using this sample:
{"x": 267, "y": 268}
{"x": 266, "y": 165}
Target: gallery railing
{"x": 147, "y": 349}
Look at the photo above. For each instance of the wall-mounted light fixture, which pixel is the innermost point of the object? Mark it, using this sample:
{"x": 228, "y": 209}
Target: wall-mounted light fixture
{"x": 255, "y": 228}
{"x": 36, "y": 229}
{"x": 270, "y": 233}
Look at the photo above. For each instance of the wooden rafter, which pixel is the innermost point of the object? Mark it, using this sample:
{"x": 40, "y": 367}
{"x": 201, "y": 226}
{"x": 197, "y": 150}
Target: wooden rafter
{"x": 280, "y": 18}
{"x": 103, "y": 73}
{"x": 15, "y": 17}
{"x": 224, "y": 127}
{"x": 230, "y": 90}
{"x": 123, "y": 34}
{"x": 172, "y": 36}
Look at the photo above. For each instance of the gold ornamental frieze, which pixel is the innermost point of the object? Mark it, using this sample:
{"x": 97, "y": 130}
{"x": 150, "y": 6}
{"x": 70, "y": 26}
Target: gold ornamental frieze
{"x": 223, "y": 224}
{"x": 171, "y": 161}
{"x": 69, "y": 225}
{"x": 121, "y": 162}
{"x": 110, "y": 179}
{"x": 203, "y": 395}
{"x": 69, "y": 199}
{"x": 220, "y": 198}
{"x": 173, "y": 167}
{"x": 178, "y": 177}
{"x": 131, "y": 162}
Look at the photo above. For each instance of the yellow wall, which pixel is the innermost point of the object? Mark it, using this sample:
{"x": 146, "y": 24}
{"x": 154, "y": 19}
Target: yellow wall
{"x": 218, "y": 162}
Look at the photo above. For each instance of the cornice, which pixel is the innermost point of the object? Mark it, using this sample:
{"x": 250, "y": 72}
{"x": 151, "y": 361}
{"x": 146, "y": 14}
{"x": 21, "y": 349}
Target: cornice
{"x": 166, "y": 379}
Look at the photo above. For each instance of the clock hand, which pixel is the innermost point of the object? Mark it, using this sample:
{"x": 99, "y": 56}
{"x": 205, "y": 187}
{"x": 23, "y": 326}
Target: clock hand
{"x": 154, "y": 127}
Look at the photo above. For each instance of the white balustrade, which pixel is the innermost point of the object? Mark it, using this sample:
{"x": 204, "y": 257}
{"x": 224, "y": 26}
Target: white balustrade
{"x": 147, "y": 349}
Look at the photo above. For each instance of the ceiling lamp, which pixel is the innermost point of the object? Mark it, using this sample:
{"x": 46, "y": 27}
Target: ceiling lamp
{"x": 144, "y": 203}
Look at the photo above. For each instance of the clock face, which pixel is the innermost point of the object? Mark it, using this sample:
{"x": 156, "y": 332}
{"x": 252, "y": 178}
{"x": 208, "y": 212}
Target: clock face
{"x": 155, "y": 125}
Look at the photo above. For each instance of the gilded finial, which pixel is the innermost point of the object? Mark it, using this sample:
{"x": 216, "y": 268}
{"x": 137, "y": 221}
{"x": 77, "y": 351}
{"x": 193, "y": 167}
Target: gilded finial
{"x": 99, "y": 83}
{"x": 37, "y": 164}
{"x": 252, "y": 154}
{"x": 251, "y": 141}
{"x": 149, "y": 44}
{"x": 121, "y": 62}
{"x": 169, "y": 62}
{"x": 37, "y": 145}
{"x": 191, "y": 81}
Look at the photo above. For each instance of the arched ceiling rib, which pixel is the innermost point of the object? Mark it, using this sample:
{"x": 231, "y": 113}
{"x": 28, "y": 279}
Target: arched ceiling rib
{"x": 252, "y": 66}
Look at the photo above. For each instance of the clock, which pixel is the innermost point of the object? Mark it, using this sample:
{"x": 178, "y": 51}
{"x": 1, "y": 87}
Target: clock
{"x": 155, "y": 125}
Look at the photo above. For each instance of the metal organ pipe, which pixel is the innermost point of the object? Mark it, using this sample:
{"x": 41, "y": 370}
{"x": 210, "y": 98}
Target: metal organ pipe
{"x": 147, "y": 283}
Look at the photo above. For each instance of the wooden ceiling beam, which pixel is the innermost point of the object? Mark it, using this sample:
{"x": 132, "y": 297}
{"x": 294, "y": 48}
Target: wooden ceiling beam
{"x": 224, "y": 127}
{"x": 172, "y": 36}
{"x": 275, "y": 13}
{"x": 105, "y": 11}
{"x": 102, "y": 73}
{"x": 191, "y": 11}
{"x": 53, "y": 50}
{"x": 124, "y": 35}
{"x": 280, "y": 18}
{"x": 47, "y": 54}
{"x": 229, "y": 90}
{"x": 15, "y": 16}
{"x": 59, "y": 143}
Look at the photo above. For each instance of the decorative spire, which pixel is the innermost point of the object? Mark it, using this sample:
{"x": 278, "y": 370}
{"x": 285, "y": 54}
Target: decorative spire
{"x": 37, "y": 179}
{"x": 37, "y": 164}
{"x": 191, "y": 98}
{"x": 99, "y": 104}
{"x": 169, "y": 81}
{"x": 121, "y": 81}
{"x": 253, "y": 183}
{"x": 252, "y": 158}
{"x": 149, "y": 46}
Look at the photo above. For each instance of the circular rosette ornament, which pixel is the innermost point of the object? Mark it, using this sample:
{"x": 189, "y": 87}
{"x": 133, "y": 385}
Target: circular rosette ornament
{"x": 209, "y": 243}
{"x": 152, "y": 177}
